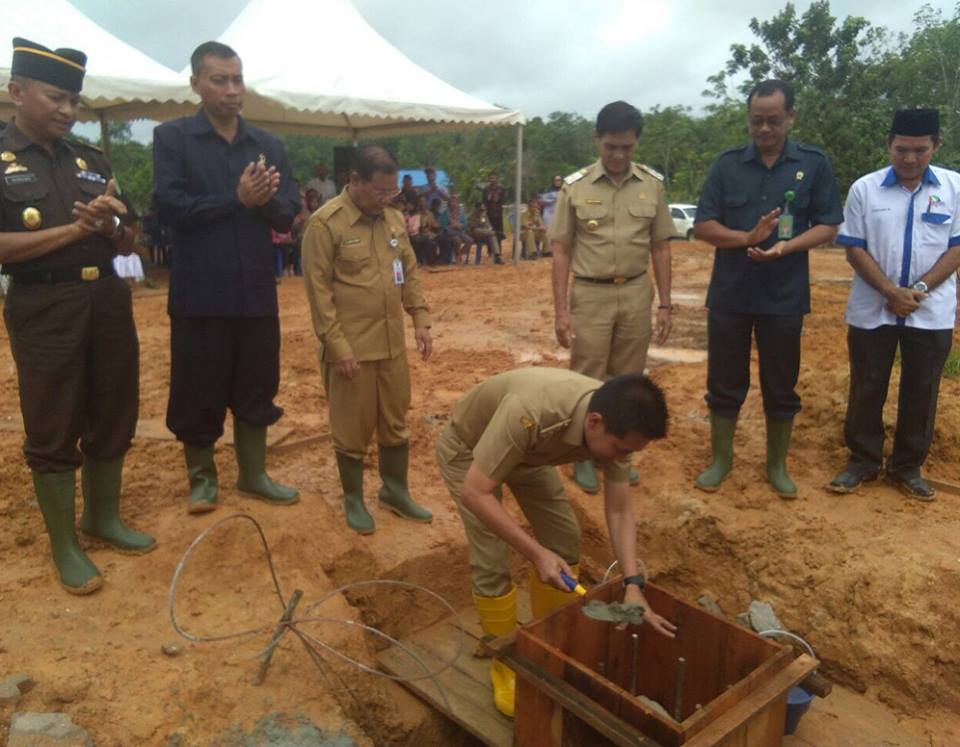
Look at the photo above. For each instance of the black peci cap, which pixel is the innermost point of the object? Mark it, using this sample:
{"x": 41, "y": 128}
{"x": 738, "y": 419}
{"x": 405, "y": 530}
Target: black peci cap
{"x": 916, "y": 122}
{"x": 63, "y": 68}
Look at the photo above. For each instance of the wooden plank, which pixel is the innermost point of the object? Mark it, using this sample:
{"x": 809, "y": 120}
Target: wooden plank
{"x": 613, "y": 728}
{"x": 466, "y": 684}
{"x": 771, "y": 693}
{"x": 945, "y": 486}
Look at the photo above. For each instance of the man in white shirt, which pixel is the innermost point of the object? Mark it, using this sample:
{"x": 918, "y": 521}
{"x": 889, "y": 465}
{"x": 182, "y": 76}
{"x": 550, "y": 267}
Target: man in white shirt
{"x": 323, "y": 186}
{"x": 902, "y": 233}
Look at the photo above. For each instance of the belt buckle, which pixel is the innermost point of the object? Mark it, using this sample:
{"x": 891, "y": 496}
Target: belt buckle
{"x": 619, "y": 280}
{"x": 90, "y": 273}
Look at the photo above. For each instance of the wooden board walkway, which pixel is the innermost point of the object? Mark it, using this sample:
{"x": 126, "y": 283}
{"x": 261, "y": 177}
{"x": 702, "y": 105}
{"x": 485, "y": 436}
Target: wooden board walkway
{"x": 466, "y": 684}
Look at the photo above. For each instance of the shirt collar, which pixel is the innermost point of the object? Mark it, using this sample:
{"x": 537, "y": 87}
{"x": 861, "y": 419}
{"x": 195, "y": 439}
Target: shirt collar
{"x": 790, "y": 151}
{"x": 353, "y": 212}
{"x": 200, "y": 125}
{"x": 890, "y": 179}
{"x": 574, "y": 432}
{"x": 597, "y": 172}
{"x": 15, "y": 139}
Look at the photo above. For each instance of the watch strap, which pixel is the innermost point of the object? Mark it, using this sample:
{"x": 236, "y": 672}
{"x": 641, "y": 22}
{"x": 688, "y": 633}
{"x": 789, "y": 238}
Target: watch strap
{"x": 635, "y": 580}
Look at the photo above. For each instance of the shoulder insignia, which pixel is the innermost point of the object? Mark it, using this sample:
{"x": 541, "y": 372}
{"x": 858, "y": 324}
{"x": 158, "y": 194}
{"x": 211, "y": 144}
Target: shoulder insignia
{"x": 83, "y": 145}
{"x": 653, "y": 172}
{"x": 328, "y": 209}
{"x": 527, "y": 423}
{"x": 575, "y": 176}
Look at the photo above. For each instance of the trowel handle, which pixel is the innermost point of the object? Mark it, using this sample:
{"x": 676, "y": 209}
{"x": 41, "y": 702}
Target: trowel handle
{"x": 572, "y": 583}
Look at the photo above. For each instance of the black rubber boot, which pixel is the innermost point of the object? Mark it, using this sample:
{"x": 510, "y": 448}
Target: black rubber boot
{"x": 351, "y": 478}
{"x": 250, "y": 441}
{"x": 394, "y": 493}
{"x": 202, "y": 472}
{"x": 101, "y": 480}
{"x": 55, "y": 494}
{"x": 721, "y": 442}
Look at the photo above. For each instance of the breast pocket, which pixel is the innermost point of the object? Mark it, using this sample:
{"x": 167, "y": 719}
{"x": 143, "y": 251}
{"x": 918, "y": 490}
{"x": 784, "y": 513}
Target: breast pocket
{"x": 90, "y": 189}
{"x": 353, "y": 260}
{"x": 591, "y": 218}
{"x": 25, "y": 206}
{"x": 642, "y": 214}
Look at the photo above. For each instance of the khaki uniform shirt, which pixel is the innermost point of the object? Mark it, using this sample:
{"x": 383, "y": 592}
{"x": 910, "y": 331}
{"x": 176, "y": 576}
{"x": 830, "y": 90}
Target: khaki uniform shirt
{"x": 356, "y": 306}
{"x": 530, "y": 417}
{"x": 610, "y": 229}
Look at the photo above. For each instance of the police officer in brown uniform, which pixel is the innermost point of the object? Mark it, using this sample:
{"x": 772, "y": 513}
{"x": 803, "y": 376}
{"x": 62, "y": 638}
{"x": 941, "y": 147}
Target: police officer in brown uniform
{"x": 513, "y": 428}
{"x": 610, "y": 219}
{"x": 69, "y": 318}
{"x": 361, "y": 276}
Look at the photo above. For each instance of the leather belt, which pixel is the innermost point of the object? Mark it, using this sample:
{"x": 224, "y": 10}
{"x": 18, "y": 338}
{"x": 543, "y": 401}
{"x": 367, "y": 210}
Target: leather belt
{"x": 615, "y": 280}
{"x": 73, "y": 274}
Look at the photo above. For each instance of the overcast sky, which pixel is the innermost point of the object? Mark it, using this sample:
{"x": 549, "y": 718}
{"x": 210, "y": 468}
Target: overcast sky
{"x": 539, "y": 56}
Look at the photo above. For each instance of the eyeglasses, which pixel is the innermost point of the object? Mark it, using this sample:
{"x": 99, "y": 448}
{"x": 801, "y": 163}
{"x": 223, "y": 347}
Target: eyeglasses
{"x": 385, "y": 194}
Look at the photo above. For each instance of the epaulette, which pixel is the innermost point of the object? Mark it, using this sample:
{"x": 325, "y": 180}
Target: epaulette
{"x": 653, "y": 172}
{"x": 88, "y": 146}
{"x": 328, "y": 209}
{"x": 576, "y": 176}
{"x": 811, "y": 149}
{"x": 732, "y": 149}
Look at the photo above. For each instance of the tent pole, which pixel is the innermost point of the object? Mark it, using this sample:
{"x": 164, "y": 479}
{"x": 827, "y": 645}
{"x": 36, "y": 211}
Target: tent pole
{"x": 104, "y": 134}
{"x": 519, "y": 196}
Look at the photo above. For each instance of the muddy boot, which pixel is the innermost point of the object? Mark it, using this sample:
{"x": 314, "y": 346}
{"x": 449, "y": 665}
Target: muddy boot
{"x": 634, "y": 476}
{"x": 394, "y": 493}
{"x": 55, "y": 494}
{"x": 778, "y": 444}
{"x": 202, "y": 472}
{"x": 721, "y": 442}
{"x": 250, "y": 442}
{"x": 585, "y": 475}
{"x": 101, "y": 508}
{"x": 544, "y": 598}
{"x": 351, "y": 478}
{"x": 498, "y": 617}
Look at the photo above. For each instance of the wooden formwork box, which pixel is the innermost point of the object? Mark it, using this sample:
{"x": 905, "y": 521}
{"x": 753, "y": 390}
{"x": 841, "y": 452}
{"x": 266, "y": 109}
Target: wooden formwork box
{"x": 733, "y": 694}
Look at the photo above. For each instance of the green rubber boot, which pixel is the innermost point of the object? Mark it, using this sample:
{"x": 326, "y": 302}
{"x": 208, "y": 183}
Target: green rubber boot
{"x": 394, "y": 493}
{"x": 202, "y": 471}
{"x": 585, "y": 475}
{"x": 250, "y": 442}
{"x": 778, "y": 444}
{"x": 634, "y": 477}
{"x": 351, "y": 478}
{"x": 721, "y": 442}
{"x": 101, "y": 508}
{"x": 55, "y": 494}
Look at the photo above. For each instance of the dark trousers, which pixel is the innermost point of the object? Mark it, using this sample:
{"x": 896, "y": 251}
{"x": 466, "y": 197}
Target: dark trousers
{"x": 221, "y": 362}
{"x": 77, "y": 356}
{"x": 728, "y": 362}
{"x": 923, "y": 353}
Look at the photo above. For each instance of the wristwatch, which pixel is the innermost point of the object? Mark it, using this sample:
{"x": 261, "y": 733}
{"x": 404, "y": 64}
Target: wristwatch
{"x": 635, "y": 580}
{"x": 920, "y": 286}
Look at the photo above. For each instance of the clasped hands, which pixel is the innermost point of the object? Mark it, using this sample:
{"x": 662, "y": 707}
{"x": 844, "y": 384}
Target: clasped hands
{"x": 760, "y": 233}
{"x": 258, "y": 184}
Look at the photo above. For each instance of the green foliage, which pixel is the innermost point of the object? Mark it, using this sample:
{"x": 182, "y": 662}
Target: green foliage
{"x": 952, "y": 368}
{"x": 849, "y": 76}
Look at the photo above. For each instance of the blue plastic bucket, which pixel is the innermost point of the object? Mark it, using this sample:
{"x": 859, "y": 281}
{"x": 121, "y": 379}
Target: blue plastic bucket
{"x": 798, "y": 701}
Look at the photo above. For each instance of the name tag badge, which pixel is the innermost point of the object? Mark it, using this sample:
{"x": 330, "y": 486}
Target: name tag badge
{"x": 12, "y": 179}
{"x": 91, "y": 176}
{"x": 397, "y": 271}
{"x": 785, "y": 227}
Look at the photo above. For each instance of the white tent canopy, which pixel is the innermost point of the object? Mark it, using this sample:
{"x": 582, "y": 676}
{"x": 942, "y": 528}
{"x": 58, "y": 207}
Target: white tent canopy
{"x": 121, "y": 82}
{"x": 319, "y": 68}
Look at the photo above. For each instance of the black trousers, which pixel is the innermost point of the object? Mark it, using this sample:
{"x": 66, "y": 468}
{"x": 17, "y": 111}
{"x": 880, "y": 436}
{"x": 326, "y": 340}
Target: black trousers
{"x": 77, "y": 356}
{"x": 923, "y": 353}
{"x": 221, "y": 362}
{"x": 728, "y": 362}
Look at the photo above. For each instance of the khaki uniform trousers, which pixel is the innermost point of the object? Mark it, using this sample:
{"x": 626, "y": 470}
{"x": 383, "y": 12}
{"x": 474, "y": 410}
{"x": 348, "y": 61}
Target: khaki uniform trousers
{"x": 612, "y": 327}
{"x": 377, "y": 398}
{"x": 539, "y": 492}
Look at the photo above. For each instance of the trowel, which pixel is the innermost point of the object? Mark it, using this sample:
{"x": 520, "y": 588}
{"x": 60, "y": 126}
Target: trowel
{"x": 611, "y": 612}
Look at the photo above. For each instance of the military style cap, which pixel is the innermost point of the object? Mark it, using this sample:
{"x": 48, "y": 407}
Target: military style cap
{"x": 916, "y": 122}
{"x": 63, "y": 68}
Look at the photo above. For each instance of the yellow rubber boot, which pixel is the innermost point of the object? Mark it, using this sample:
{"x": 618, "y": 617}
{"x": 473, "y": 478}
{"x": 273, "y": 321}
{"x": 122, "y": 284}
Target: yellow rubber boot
{"x": 544, "y": 599}
{"x": 498, "y": 617}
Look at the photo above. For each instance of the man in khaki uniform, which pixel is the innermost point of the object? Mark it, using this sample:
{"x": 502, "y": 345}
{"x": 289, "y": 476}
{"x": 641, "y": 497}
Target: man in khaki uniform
{"x": 513, "y": 428}
{"x": 611, "y": 218}
{"x": 361, "y": 275}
